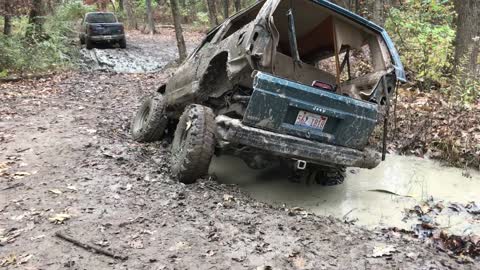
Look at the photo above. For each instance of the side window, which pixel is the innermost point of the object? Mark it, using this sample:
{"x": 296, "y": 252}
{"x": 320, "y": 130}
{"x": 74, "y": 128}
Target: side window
{"x": 244, "y": 19}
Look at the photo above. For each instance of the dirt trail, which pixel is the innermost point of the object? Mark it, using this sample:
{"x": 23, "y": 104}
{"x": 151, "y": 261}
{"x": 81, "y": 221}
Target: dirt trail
{"x": 65, "y": 149}
{"x": 144, "y": 53}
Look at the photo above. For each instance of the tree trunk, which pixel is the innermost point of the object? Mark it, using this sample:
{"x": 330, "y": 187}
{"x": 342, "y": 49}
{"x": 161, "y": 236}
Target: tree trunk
{"x": 468, "y": 35}
{"x": 212, "y": 13}
{"x": 7, "y": 19}
{"x": 36, "y": 19}
{"x": 131, "y": 18}
{"x": 226, "y": 3}
{"x": 121, "y": 5}
{"x": 7, "y": 25}
{"x": 182, "y": 50}
{"x": 378, "y": 14}
{"x": 150, "y": 23}
{"x": 238, "y": 5}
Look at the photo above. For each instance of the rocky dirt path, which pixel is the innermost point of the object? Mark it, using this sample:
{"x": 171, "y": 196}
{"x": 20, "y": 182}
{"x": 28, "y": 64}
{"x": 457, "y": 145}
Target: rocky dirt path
{"x": 67, "y": 164}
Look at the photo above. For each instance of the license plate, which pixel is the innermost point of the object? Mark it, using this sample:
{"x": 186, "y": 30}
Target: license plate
{"x": 311, "y": 120}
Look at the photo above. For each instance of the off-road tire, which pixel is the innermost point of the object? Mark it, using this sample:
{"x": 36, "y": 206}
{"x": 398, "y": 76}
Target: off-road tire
{"x": 89, "y": 43}
{"x": 193, "y": 144}
{"x": 328, "y": 176}
{"x": 123, "y": 43}
{"x": 150, "y": 121}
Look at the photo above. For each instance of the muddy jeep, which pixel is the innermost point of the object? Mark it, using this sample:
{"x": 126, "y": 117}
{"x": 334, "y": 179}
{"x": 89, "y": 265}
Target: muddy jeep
{"x": 302, "y": 82}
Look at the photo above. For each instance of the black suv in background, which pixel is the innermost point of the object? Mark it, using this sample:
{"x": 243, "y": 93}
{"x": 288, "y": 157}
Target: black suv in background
{"x": 102, "y": 27}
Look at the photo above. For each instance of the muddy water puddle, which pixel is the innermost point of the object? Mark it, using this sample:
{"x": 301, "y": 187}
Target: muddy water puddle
{"x": 371, "y": 198}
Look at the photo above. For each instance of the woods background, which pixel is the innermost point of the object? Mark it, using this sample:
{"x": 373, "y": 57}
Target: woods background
{"x": 438, "y": 40}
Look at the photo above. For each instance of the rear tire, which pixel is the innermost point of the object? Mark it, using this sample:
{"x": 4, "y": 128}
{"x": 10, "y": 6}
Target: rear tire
{"x": 193, "y": 144}
{"x": 123, "y": 43}
{"x": 150, "y": 121}
{"x": 329, "y": 176}
{"x": 89, "y": 43}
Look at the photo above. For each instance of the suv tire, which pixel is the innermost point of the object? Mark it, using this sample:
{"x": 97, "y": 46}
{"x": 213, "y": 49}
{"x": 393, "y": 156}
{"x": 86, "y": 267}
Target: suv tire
{"x": 89, "y": 43}
{"x": 123, "y": 43}
{"x": 150, "y": 121}
{"x": 193, "y": 144}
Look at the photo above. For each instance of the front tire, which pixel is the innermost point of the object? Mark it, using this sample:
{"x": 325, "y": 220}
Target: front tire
{"x": 193, "y": 144}
{"x": 89, "y": 43}
{"x": 149, "y": 122}
{"x": 123, "y": 43}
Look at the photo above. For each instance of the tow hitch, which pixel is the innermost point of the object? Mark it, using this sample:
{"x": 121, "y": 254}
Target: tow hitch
{"x": 300, "y": 165}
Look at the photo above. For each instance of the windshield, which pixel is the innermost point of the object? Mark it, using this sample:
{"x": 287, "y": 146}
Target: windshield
{"x": 101, "y": 18}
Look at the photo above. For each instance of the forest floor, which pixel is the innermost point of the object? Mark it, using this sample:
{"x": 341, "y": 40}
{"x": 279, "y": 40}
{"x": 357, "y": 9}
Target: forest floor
{"x": 68, "y": 164}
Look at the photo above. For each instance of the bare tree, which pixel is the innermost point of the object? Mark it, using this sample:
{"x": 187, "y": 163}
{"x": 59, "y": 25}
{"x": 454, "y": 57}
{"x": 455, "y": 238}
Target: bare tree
{"x": 182, "y": 50}
{"x": 238, "y": 5}
{"x": 468, "y": 35}
{"x": 7, "y": 19}
{"x": 131, "y": 18}
{"x": 226, "y": 4}
{"x": 121, "y": 5}
{"x": 36, "y": 19}
{"x": 150, "y": 22}
{"x": 378, "y": 12}
{"x": 212, "y": 13}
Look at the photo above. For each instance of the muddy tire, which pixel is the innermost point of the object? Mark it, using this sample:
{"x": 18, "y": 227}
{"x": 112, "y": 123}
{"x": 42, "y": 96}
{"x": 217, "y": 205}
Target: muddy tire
{"x": 89, "y": 43}
{"x": 123, "y": 43}
{"x": 328, "y": 176}
{"x": 193, "y": 144}
{"x": 150, "y": 121}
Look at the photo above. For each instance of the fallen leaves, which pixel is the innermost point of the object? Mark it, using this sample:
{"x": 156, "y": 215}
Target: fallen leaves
{"x": 59, "y": 218}
{"x": 9, "y": 236}
{"x": 12, "y": 259}
{"x": 383, "y": 250}
{"x": 55, "y": 191}
{"x": 428, "y": 125}
{"x": 428, "y": 213}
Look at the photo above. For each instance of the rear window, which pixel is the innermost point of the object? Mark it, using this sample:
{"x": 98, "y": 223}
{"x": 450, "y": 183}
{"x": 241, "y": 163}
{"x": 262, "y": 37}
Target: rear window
{"x": 101, "y": 18}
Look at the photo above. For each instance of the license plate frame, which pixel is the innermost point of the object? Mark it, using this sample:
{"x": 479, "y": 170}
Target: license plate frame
{"x": 311, "y": 120}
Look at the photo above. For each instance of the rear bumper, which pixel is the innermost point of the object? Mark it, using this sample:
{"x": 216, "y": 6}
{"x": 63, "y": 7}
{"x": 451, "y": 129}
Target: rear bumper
{"x": 107, "y": 38}
{"x": 233, "y": 131}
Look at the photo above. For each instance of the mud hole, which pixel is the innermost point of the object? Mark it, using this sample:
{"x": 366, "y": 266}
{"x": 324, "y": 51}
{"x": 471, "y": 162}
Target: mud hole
{"x": 144, "y": 53}
{"x": 67, "y": 164}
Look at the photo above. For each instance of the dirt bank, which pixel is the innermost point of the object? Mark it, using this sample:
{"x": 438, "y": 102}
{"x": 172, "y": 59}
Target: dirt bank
{"x": 67, "y": 164}
{"x": 427, "y": 125}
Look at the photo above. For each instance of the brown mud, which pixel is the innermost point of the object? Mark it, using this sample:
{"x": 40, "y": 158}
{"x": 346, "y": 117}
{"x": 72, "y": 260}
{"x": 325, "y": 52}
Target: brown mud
{"x": 68, "y": 164}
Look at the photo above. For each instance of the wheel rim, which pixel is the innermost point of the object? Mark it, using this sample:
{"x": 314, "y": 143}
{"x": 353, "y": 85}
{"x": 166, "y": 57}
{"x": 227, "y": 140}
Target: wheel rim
{"x": 178, "y": 146}
{"x": 142, "y": 119}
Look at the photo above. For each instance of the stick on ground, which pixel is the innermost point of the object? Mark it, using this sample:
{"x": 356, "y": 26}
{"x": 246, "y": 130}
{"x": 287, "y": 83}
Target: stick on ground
{"x": 90, "y": 247}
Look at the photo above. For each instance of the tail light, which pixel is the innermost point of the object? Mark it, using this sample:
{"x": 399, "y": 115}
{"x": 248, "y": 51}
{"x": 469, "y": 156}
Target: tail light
{"x": 322, "y": 85}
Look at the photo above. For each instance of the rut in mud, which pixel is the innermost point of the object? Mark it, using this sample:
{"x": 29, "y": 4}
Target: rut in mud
{"x": 144, "y": 53}
{"x": 67, "y": 163}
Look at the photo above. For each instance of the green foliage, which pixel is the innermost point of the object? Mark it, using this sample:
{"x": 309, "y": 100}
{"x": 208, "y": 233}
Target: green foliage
{"x": 464, "y": 87}
{"x": 424, "y": 33}
{"x": 53, "y": 50}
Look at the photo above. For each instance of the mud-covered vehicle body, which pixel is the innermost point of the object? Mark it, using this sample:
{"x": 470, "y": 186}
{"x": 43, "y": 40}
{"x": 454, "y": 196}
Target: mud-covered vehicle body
{"x": 102, "y": 27}
{"x": 280, "y": 80}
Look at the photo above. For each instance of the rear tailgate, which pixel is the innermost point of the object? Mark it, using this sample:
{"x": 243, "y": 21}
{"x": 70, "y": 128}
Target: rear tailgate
{"x": 292, "y": 108}
{"x": 105, "y": 29}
